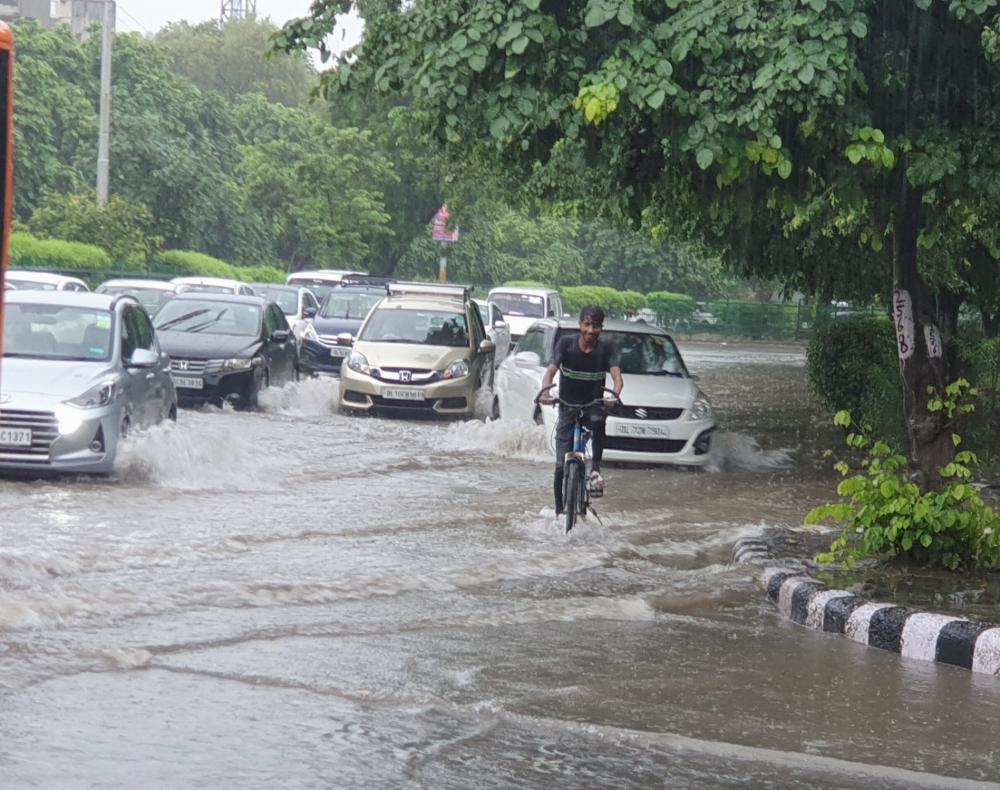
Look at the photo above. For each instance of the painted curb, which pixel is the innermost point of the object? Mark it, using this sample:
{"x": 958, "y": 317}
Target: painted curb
{"x": 924, "y": 636}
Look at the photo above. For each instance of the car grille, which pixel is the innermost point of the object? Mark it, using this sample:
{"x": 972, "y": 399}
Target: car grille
{"x": 331, "y": 340}
{"x": 404, "y": 405}
{"x": 631, "y": 445}
{"x": 416, "y": 375}
{"x": 44, "y": 430}
{"x": 194, "y": 367}
{"x": 647, "y": 413}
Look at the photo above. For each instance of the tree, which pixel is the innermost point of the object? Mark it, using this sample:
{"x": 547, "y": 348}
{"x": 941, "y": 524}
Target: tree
{"x": 230, "y": 60}
{"x": 843, "y": 122}
{"x": 324, "y": 204}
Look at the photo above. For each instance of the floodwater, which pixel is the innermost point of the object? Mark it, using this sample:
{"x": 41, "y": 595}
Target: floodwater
{"x": 299, "y": 599}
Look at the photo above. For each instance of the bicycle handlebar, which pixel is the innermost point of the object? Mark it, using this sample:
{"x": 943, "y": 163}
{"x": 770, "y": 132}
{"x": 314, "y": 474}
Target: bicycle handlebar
{"x": 562, "y": 402}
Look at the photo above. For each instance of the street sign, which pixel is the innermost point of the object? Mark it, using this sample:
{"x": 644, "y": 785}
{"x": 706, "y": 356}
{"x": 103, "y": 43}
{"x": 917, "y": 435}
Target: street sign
{"x": 439, "y": 230}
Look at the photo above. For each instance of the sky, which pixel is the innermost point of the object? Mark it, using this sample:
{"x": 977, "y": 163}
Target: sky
{"x": 148, "y": 16}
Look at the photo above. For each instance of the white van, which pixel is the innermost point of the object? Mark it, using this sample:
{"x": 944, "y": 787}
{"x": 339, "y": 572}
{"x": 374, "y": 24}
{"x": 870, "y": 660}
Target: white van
{"x": 319, "y": 281}
{"x": 523, "y": 306}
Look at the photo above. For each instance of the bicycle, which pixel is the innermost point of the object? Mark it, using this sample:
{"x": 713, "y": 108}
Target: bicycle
{"x": 577, "y": 463}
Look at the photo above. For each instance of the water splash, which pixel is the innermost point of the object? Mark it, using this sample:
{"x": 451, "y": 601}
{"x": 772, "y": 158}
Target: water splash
{"x": 521, "y": 439}
{"x": 741, "y": 451}
{"x": 307, "y": 398}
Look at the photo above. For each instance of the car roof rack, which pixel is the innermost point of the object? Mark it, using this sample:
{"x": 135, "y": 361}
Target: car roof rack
{"x": 430, "y": 289}
{"x": 366, "y": 279}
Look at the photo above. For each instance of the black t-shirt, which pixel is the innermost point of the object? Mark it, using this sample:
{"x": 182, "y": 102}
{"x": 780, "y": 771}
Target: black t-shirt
{"x": 582, "y": 375}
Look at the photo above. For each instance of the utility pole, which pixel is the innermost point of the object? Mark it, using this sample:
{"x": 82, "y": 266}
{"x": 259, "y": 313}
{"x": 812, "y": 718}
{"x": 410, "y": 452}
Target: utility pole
{"x": 237, "y": 9}
{"x": 104, "y": 134}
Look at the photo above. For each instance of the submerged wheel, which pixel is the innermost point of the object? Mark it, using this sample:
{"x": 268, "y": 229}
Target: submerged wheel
{"x": 572, "y": 494}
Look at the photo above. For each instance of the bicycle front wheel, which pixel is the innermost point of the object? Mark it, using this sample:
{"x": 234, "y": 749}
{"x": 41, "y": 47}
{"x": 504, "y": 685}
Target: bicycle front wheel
{"x": 573, "y": 491}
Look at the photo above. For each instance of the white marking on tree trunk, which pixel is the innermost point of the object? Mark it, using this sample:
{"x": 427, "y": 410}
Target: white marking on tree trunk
{"x": 860, "y": 619}
{"x": 920, "y": 634}
{"x": 902, "y": 315}
{"x": 816, "y": 612}
{"x": 986, "y": 659}
{"x": 932, "y": 336}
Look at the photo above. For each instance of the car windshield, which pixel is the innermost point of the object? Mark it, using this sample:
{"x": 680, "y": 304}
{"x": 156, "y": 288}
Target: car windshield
{"x": 349, "y": 305}
{"x": 210, "y": 317}
{"x": 286, "y": 298}
{"x": 44, "y": 331}
{"x": 420, "y": 327}
{"x": 30, "y": 285}
{"x": 642, "y": 353}
{"x": 520, "y": 304}
{"x": 150, "y": 298}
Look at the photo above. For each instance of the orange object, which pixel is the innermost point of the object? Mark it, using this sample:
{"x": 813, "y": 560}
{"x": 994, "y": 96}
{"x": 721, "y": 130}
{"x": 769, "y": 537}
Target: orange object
{"x": 6, "y": 158}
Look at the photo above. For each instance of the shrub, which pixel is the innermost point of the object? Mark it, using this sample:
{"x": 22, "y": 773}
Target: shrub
{"x": 887, "y": 514}
{"x": 54, "y": 255}
{"x": 576, "y": 297}
{"x": 851, "y": 366}
{"x": 670, "y": 307}
{"x": 757, "y": 319}
{"x": 634, "y": 301}
{"x": 981, "y": 358}
{"x": 195, "y": 264}
{"x": 259, "y": 274}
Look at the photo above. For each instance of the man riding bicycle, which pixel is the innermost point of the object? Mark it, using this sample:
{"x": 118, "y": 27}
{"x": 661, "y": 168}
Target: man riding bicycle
{"x": 582, "y": 361}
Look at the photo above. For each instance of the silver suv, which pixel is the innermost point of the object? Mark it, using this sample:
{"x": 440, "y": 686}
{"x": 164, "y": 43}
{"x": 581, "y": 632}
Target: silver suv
{"x": 79, "y": 371}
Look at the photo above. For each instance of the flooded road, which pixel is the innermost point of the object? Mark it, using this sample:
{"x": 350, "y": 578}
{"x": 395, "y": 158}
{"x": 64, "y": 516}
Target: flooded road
{"x": 300, "y": 599}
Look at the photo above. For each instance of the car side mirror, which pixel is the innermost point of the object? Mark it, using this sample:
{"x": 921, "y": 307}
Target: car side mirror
{"x": 280, "y": 335}
{"x": 143, "y": 358}
{"x": 498, "y": 324}
{"x": 309, "y": 312}
{"x": 487, "y": 347}
{"x": 345, "y": 339}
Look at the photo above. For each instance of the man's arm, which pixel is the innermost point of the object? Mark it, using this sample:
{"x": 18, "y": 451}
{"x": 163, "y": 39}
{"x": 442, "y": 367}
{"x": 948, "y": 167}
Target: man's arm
{"x": 617, "y": 380}
{"x": 547, "y": 379}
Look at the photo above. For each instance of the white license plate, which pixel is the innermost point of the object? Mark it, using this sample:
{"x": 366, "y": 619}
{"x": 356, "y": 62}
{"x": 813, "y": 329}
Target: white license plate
{"x": 630, "y": 429}
{"x": 188, "y": 382}
{"x": 15, "y": 437}
{"x": 403, "y": 394}
{"x": 339, "y": 352}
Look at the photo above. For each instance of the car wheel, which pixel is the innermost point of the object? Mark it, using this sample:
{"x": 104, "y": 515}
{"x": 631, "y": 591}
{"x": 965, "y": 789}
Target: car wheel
{"x": 125, "y": 428}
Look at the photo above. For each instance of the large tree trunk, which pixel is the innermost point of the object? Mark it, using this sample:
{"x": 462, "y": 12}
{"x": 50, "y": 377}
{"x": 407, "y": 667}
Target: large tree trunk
{"x": 921, "y": 346}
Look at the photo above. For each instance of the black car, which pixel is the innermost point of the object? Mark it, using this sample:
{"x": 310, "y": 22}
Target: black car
{"x": 327, "y": 342}
{"x": 225, "y": 347}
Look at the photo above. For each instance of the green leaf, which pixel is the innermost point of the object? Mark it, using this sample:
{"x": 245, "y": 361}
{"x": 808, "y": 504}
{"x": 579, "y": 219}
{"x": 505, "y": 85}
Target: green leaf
{"x": 819, "y": 6}
{"x": 859, "y": 28}
{"x": 705, "y": 158}
{"x": 656, "y": 98}
{"x": 907, "y": 542}
{"x": 926, "y": 540}
{"x": 806, "y": 74}
{"x": 888, "y": 158}
{"x": 520, "y": 44}
{"x": 532, "y": 5}
{"x": 785, "y": 168}
{"x": 855, "y": 153}
{"x": 626, "y": 15}
{"x": 887, "y": 489}
{"x": 477, "y": 62}
{"x": 842, "y": 418}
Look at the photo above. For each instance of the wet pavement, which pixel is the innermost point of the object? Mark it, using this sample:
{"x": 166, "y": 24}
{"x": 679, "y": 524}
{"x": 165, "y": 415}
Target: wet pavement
{"x": 300, "y": 599}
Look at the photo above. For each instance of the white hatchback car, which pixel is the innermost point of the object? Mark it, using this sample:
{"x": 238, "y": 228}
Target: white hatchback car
{"x": 25, "y": 280}
{"x": 664, "y": 417}
{"x": 212, "y": 285}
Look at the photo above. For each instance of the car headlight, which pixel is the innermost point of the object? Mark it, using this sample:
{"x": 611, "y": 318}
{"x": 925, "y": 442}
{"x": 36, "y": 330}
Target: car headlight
{"x": 97, "y": 396}
{"x": 701, "y": 409}
{"x": 310, "y": 333}
{"x": 358, "y": 362}
{"x": 242, "y": 364}
{"x": 457, "y": 369}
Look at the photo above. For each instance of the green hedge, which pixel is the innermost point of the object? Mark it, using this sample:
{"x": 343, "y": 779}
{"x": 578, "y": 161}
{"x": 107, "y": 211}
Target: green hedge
{"x": 980, "y": 357}
{"x": 757, "y": 319}
{"x": 670, "y": 307}
{"x": 852, "y": 364}
{"x": 28, "y": 252}
{"x": 197, "y": 264}
{"x": 576, "y": 297}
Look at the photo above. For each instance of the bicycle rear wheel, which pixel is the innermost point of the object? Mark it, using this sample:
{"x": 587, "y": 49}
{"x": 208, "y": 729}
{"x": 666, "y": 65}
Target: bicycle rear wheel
{"x": 572, "y": 492}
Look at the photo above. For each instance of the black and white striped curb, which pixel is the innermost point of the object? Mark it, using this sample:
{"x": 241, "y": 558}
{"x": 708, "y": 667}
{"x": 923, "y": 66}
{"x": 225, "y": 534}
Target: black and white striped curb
{"x": 921, "y": 635}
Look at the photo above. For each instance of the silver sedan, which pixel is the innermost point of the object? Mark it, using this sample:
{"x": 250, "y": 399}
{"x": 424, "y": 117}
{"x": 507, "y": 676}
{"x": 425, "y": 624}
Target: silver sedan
{"x": 79, "y": 372}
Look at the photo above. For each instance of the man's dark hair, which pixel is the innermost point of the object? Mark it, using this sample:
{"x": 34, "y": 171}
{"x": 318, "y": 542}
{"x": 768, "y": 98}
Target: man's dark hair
{"x": 593, "y": 314}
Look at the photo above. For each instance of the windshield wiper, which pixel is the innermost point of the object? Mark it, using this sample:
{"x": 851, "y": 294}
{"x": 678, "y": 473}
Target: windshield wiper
{"x": 174, "y": 321}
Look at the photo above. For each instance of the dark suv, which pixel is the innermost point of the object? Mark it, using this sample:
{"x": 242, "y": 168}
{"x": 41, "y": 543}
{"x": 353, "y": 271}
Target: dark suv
{"x": 327, "y": 341}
